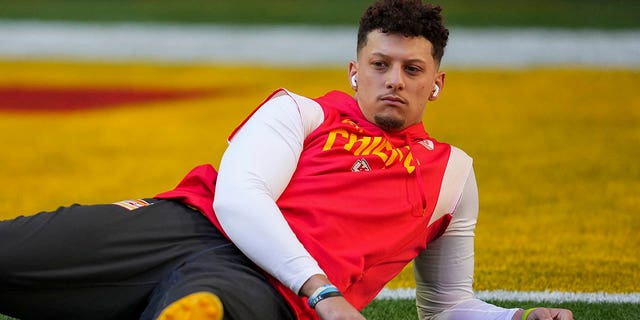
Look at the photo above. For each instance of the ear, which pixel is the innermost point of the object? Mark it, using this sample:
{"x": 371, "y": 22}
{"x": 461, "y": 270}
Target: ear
{"x": 438, "y": 81}
{"x": 353, "y": 71}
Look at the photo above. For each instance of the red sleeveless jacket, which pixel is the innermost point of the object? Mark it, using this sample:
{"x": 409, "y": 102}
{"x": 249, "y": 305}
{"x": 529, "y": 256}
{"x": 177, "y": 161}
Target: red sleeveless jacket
{"x": 360, "y": 201}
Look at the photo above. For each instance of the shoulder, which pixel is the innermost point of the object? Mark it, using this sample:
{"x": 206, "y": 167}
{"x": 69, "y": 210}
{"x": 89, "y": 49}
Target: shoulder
{"x": 284, "y": 105}
{"x": 460, "y": 159}
{"x": 311, "y": 112}
{"x": 286, "y": 97}
{"x": 458, "y": 170}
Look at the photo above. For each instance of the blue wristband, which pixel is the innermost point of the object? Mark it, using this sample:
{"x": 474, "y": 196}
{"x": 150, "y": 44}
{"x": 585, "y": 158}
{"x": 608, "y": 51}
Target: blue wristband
{"x": 323, "y": 292}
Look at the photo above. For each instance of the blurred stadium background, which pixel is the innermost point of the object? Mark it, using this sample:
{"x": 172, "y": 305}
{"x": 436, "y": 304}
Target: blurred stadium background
{"x": 106, "y": 100}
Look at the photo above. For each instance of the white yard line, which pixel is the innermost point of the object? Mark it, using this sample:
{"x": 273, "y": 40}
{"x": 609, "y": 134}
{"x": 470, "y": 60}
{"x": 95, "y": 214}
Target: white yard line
{"x": 305, "y": 45}
{"x": 534, "y": 296}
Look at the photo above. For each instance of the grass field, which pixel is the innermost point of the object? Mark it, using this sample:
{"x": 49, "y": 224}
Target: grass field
{"x": 555, "y": 156}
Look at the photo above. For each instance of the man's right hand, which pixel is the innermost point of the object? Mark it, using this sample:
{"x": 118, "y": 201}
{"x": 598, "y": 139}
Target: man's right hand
{"x": 337, "y": 308}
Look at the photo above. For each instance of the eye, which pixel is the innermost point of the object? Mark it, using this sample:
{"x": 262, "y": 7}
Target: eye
{"x": 411, "y": 69}
{"x": 379, "y": 64}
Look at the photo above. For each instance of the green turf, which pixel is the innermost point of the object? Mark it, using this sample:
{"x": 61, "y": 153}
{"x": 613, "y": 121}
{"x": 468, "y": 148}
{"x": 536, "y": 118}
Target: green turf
{"x": 405, "y": 309}
{"x": 562, "y": 13}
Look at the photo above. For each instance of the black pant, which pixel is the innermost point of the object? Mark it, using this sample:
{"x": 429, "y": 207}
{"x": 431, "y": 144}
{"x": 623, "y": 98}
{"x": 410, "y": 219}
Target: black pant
{"x": 108, "y": 262}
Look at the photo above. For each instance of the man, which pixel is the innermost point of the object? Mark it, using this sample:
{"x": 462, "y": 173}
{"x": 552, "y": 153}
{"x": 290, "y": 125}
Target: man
{"x": 318, "y": 203}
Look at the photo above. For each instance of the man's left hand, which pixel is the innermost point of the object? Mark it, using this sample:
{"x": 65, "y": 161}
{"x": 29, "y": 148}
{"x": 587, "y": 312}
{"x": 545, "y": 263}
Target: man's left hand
{"x": 546, "y": 314}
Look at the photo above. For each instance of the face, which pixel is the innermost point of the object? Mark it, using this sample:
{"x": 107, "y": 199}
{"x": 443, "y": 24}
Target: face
{"x": 395, "y": 77}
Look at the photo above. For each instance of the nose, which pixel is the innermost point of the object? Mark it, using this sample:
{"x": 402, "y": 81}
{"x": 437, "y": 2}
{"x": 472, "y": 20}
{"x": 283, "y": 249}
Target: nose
{"x": 394, "y": 79}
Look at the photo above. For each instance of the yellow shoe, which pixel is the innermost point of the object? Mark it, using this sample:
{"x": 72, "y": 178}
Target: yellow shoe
{"x": 196, "y": 306}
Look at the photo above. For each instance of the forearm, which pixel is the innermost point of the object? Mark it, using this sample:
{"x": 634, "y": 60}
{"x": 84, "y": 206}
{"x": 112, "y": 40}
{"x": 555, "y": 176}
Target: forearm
{"x": 475, "y": 309}
{"x": 444, "y": 271}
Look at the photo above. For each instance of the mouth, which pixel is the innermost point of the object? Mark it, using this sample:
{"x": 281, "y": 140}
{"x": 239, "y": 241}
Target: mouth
{"x": 393, "y": 100}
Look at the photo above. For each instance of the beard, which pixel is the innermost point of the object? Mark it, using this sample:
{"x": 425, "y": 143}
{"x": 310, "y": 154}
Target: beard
{"x": 388, "y": 123}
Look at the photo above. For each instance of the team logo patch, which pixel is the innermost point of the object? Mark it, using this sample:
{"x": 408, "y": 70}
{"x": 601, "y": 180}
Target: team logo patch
{"x": 360, "y": 166}
{"x": 132, "y": 204}
{"x": 427, "y": 144}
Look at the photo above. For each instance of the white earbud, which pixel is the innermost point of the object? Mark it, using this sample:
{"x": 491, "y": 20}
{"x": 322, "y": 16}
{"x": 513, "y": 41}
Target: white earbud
{"x": 354, "y": 83}
{"x": 436, "y": 90}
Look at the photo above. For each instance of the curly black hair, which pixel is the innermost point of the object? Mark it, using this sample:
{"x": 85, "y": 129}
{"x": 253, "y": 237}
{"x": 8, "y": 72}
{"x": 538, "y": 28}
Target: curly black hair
{"x": 410, "y": 18}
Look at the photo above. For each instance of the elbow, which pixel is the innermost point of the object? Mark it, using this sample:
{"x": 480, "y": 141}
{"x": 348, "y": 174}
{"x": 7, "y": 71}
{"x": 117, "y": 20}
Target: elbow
{"x": 221, "y": 204}
{"x": 238, "y": 205}
{"x": 226, "y": 206}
